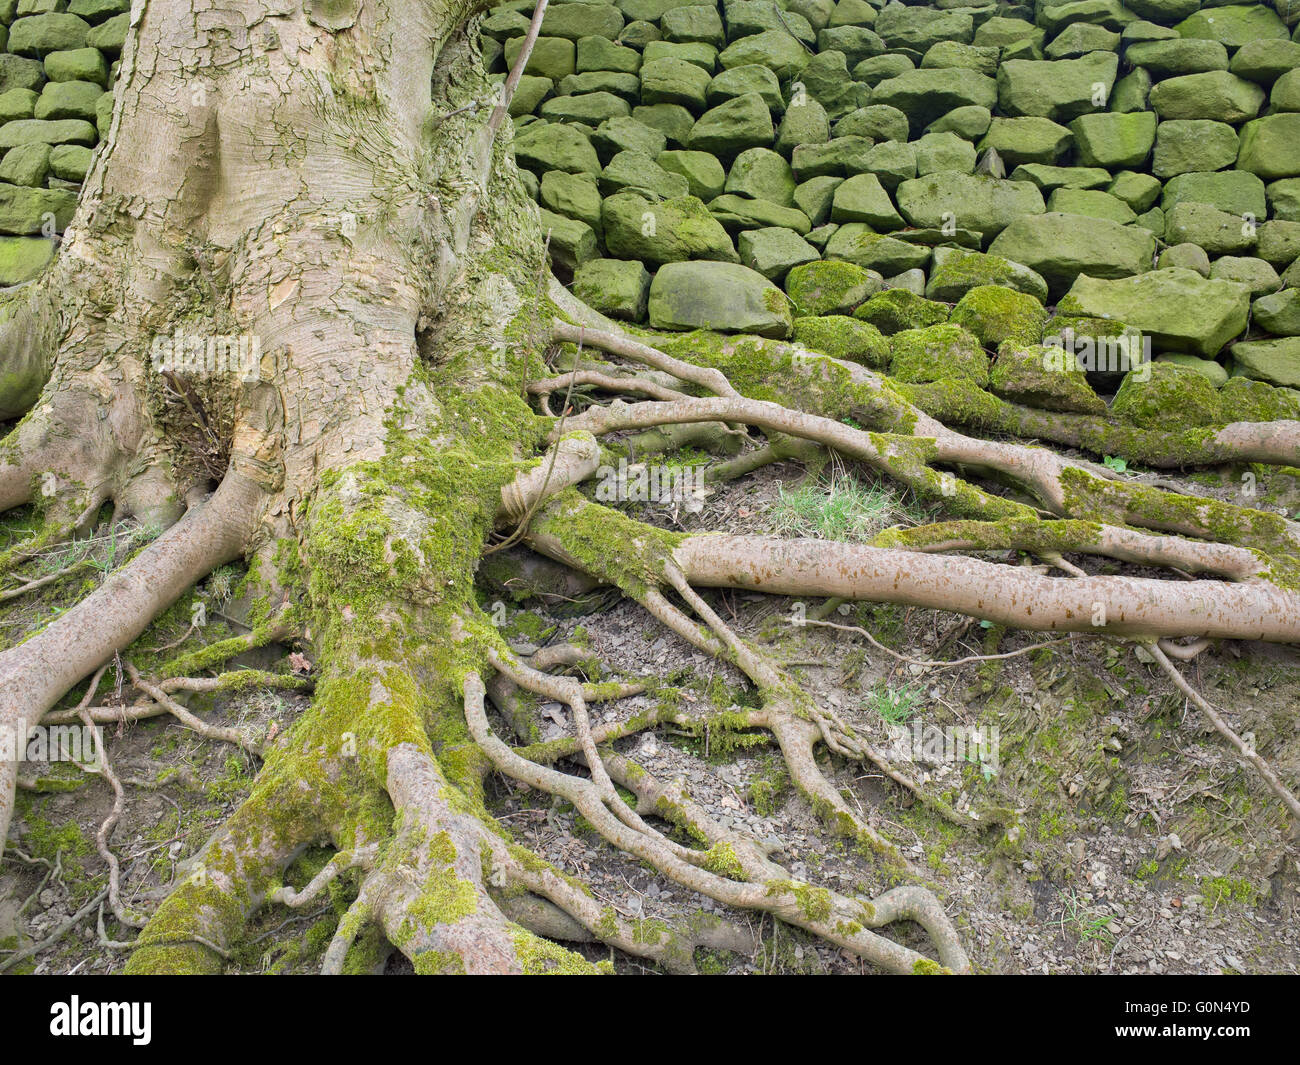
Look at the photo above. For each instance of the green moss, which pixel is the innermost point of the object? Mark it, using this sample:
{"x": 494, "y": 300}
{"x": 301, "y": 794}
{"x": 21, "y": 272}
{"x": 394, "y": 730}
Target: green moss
{"x": 768, "y": 786}
{"x": 962, "y": 271}
{"x": 937, "y": 353}
{"x": 1041, "y": 376}
{"x": 529, "y": 625}
{"x": 1245, "y": 400}
{"x": 1166, "y": 395}
{"x": 996, "y": 314}
{"x": 541, "y": 957}
{"x": 214, "y": 654}
{"x": 814, "y": 902}
{"x": 1222, "y": 889}
{"x": 60, "y": 840}
{"x": 897, "y": 309}
{"x": 721, "y": 859}
{"x": 842, "y": 337}
{"x": 828, "y": 287}
{"x": 779, "y": 372}
{"x": 439, "y": 963}
{"x": 607, "y": 543}
{"x": 1268, "y": 535}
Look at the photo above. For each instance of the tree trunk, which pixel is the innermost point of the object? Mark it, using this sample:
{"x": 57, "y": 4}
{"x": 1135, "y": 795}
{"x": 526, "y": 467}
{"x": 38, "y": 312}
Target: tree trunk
{"x": 291, "y": 174}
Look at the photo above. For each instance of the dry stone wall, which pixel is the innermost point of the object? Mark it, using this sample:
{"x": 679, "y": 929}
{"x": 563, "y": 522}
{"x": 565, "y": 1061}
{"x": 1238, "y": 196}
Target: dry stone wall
{"x": 58, "y": 61}
{"x": 935, "y": 188}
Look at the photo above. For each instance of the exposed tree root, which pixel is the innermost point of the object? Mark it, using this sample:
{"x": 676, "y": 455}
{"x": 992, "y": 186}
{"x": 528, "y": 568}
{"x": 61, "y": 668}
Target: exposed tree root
{"x": 1066, "y": 488}
{"x": 1245, "y": 750}
{"x": 956, "y": 403}
{"x": 927, "y": 663}
{"x": 34, "y": 675}
{"x": 1008, "y": 595}
{"x": 103, "y": 768}
{"x": 62, "y": 929}
{"x": 840, "y": 920}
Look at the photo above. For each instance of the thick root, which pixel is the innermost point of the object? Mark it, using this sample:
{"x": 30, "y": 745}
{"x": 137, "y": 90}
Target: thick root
{"x": 34, "y": 675}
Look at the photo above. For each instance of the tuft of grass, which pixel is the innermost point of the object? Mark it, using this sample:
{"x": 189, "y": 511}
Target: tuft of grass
{"x": 895, "y": 706}
{"x": 1085, "y": 922}
{"x": 102, "y": 553}
{"x": 839, "y": 509}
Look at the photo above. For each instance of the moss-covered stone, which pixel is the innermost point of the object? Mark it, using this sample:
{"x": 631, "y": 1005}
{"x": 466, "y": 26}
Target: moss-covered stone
{"x": 927, "y": 94}
{"x": 1092, "y": 203}
{"x": 752, "y": 77}
{"x": 551, "y": 57}
{"x": 842, "y": 337}
{"x": 670, "y": 231}
{"x": 995, "y": 314}
{"x": 546, "y": 146}
{"x": 893, "y": 162}
{"x": 1061, "y": 247}
{"x": 1270, "y": 146}
{"x": 572, "y": 195}
{"x": 814, "y": 198}
{"x": 762, "y": 174}
{"x": 17, "y": 104}
{"x": 1207, "y": 368}
{"x": 78, "y": 64}
{"x": 21, "y": 259}
{"x": 38, "y": 35}
{"x": 1275, "y": 361}
{"x": 1186, "y": 256}
{"x": 28, "y": 211}
{"x": 738, "y": 213}
{"x": 1114, "y": 141}
{"x": 937, "y": 353}
{"x": 830, "y": 287}
{"x": 772, "y": 251}
{"x": 1165, "y": 395}
{"x": 857, "y": 242}
{"x": 68, "y": 99}
{"x": 28, "y": 164}
{"x": 838, "y": 157}
{"x": 674, "y": 81}
{"x": 37, "y": 131}
{"x": 1247, "y": 400}
{"x": 614, "y": 287}
{"x": 731, "y": 127}
{"x": 1036, "y": 375}
{"x": 957, "y": 271}
{"x": 1279, "y": 312}
{"x": 967, "y": 201}
{"x": 1061, "y": 89}
{"x": 1137, "y": 190}
{"x": 633, "y": 171}
{"x": 572, "y": 242}
{"x": 1214, "y": 95}
{"x": 1185, "y": 146}
{"x": 896, "y": 310}
{"x": 1234, "y": 25}
{"x": 1254, "y": 273}
{"x": 702, "y": 171}
{"x": 862, "y": 198}
{"x": 1179, "y": 309}
{"x": 1049, "y": 178}
{"x": 725, "y": 297}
